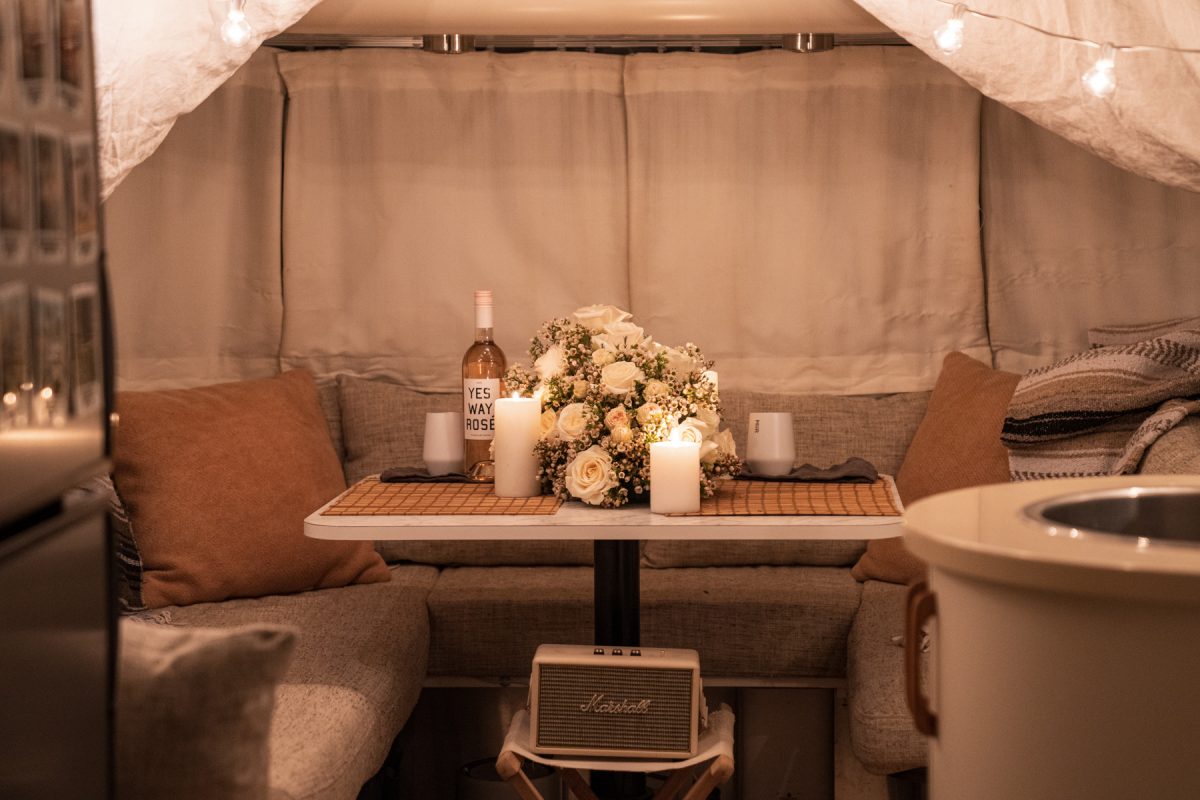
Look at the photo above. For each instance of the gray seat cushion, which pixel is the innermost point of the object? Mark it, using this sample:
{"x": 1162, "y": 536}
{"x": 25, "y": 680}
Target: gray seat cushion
{"x": 745, "y": 621}
{"x": 358, "y": 667}
{"x": 881, "y": 728}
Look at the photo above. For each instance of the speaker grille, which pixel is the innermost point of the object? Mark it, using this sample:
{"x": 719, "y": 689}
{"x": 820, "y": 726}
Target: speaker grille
{"x": 594, "y": 708}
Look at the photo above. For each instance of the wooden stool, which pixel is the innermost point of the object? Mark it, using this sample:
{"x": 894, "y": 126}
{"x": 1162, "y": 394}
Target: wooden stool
{"x": 715, "y": 750}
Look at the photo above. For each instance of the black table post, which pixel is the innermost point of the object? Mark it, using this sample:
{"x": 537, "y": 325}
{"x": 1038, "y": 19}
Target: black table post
{"x": 617, "y": 593}
{"x": 617, "y": 603}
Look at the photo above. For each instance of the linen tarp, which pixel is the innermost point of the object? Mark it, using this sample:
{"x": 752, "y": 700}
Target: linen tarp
{"x": 156, "y": 60}
{"x": 1148, "y": 125}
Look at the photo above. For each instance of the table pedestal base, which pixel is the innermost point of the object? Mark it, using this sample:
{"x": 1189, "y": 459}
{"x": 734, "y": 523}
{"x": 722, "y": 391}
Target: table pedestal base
{"x": 618, "y": 599}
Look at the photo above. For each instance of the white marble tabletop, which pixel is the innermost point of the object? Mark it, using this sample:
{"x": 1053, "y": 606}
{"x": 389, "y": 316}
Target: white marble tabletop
{"x": 575, "y": 520}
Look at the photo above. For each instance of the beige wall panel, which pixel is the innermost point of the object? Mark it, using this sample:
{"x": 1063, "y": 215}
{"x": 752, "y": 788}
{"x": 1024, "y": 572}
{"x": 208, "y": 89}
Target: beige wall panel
{"x": 811, "y": 222}
{"x": 1072, "y": 242}
{"x": 413, "y": 179}
{"x": 193, "y": 243}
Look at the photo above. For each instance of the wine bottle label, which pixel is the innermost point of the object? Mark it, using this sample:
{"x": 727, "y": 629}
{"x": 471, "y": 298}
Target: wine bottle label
{"x": 479, "y": 401}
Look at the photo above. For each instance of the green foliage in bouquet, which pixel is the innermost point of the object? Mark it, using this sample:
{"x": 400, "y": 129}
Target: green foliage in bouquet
{"x": 608, "y": 392}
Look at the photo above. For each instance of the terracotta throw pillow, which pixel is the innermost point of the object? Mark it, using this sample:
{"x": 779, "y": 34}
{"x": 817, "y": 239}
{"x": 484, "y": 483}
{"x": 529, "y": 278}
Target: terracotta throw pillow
{"x": 956, "y": 445}
{"x": 217, "y": 482}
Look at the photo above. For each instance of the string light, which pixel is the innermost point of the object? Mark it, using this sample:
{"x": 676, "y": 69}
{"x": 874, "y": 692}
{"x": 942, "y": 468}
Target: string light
{"x": 1101, "y": 77}
{"x": 949, "y": 37}
{"x": 236, "y": 31}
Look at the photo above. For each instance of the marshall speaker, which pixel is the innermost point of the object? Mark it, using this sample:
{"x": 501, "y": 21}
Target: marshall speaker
{"x": 640, "y": 702}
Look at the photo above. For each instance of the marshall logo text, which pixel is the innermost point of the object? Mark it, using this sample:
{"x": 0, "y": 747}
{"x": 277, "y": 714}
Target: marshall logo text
{"x": 599, "y": 704}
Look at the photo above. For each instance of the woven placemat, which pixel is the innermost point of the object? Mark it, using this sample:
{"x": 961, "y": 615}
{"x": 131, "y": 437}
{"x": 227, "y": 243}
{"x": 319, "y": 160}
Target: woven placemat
{"x": 370, "y": 498}
{"x": 777, "y": 498}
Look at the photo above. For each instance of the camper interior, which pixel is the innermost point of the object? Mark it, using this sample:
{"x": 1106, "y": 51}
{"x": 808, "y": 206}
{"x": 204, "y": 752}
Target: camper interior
{"x": 740, "y": 399}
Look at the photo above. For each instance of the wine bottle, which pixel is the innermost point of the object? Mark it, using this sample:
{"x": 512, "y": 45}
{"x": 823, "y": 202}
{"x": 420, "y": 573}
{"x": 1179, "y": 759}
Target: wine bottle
{"x": 483, "y": 381}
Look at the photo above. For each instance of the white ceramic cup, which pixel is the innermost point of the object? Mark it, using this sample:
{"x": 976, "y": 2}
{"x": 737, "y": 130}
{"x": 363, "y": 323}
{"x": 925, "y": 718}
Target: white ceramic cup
{"x": 770, "y": 443}
{"x": 443, "y": 450}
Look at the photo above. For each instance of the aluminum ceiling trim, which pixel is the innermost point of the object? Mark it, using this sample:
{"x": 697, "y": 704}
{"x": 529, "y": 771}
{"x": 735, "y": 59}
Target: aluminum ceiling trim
{"x": 302, "y": 41}
{"x": 585, "y": 17}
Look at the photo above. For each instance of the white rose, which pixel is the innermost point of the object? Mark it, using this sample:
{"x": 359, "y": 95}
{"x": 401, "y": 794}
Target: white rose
{"x": 708, "y": 452}
{"x": 594, "y": 318}
{"x": 547, "y": 425}
{"x": 691, "y": 430}
{"x": 572, "y": 421}
{"x": 620, "y": 376}
{"x": 618, "y": 334}
{"x": 603, "y": 357}
{"x": 710, "y": 418}
{"x": 550, "y": 363}
{"x": 590, "y": 476}
{"x": 647, "y": 412}
{"x": 725, "y": 444}
{"x": 679, "y": 362}
{"x": 621, "y": 434}
{"x": 581, "y": 389}
{"x": 616, "y": 416}
{"x": 655, "y": 389}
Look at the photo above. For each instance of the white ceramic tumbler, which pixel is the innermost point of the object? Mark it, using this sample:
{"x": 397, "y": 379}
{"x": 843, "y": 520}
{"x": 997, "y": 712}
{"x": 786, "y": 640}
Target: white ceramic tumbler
{"x": 770, "y": 443}
{"x": 443, "y": 450}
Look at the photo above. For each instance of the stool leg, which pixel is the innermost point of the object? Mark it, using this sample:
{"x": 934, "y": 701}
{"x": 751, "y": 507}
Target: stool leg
{"x": 508, "y": 766}
{"x": 674, "y": 783}
{"x": 576, "y": 784}
{"x": 717, "y": 773}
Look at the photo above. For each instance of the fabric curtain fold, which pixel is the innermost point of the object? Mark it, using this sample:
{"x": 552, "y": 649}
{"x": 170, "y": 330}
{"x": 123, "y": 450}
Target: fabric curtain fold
{"x": 412, "y": 179}
{"x": 811, "y": 222}
{"x": 1072, "y": 243}
{"x": 193, "y": 243}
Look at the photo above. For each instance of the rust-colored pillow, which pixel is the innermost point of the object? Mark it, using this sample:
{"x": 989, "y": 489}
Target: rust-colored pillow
{"x": 956, "y": 445}
{"x": 217, "y": 482}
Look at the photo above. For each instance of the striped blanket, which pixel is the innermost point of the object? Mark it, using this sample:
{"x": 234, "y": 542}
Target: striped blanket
{"x": 1096, "y": 412}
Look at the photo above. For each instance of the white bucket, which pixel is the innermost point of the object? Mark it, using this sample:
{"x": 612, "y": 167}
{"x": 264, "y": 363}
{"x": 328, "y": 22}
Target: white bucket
{"x": 1065, "y": 662}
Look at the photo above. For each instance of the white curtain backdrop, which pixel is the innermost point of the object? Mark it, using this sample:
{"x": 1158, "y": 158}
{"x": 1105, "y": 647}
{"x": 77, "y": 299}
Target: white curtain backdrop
{"x": 193, "y": 243}
{"x": 158, "y": 59}
{"x": 1148, "y": 126}
{"x": 811, "y": 222}
{"x": 1071, "y": 243}
{"x": 412, "y": 179}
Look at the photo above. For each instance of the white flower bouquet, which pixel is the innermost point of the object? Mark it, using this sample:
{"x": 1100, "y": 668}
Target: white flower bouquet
{"x": 608, "y": 392}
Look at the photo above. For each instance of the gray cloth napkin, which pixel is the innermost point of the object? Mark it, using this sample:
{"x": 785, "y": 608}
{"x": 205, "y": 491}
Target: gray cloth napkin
{"x": 418, "y": 475}
{"x": 852, "y": 470}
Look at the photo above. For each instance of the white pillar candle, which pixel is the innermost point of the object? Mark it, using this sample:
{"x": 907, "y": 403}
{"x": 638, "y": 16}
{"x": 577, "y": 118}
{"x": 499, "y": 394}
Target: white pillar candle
{"x": 518, "y": 424}
{"x": 674, "y": 477}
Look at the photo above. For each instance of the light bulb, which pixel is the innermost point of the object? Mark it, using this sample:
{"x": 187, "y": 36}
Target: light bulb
{"x": 236, "y": 31}
{"x": 1101, "y": 79}
{"x": 949, "y": 36}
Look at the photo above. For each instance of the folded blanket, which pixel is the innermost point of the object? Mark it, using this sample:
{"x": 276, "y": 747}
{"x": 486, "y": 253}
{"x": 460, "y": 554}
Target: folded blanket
{"x": 852, "y": 470}
{"x": 1096, "y": 412}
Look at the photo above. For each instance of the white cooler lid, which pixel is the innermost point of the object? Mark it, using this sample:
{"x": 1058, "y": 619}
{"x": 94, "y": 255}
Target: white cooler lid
{"x": 988, "y": 533}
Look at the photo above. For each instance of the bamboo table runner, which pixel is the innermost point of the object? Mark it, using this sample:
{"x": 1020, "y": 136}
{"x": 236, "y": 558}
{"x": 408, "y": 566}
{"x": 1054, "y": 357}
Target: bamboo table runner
{"x": 372, "y": 498}
{"x": 748, "y": 498}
